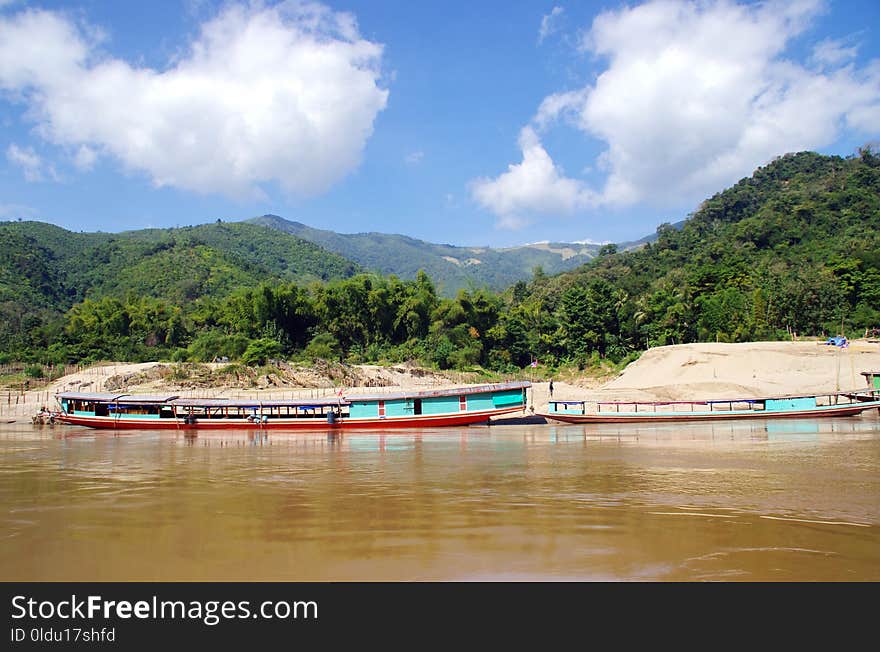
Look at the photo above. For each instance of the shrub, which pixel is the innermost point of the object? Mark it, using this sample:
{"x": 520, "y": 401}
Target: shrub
{"x": 216, "y": 344}
{"x": 34, "y": 371}
{"x": 259, "y": 351}
{"x": 323, "y": 346}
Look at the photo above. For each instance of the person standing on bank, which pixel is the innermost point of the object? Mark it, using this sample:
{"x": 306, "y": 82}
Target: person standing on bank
{"x": 551, "y": 388}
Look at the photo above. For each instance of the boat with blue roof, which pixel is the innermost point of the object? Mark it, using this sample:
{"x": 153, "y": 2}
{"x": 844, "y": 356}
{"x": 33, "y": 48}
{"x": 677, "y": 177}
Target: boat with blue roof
{"x": 458, "y": 406}
{"x": 837, "y": 404}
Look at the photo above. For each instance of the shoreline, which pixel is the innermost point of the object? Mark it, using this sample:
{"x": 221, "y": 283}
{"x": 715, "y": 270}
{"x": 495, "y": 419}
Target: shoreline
{"x": 669, "y": 373}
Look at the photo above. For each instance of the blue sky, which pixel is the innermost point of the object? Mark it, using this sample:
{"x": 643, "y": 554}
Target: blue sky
{"x": 477, "y": 123}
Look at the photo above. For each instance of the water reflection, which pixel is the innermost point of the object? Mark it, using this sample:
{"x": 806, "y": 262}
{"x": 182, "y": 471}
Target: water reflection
{"x": 710, "y": 431}
{"x": 721, "y": 500}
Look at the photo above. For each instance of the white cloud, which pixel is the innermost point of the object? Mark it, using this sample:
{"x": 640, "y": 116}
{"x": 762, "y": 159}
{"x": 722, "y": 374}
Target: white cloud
{"x": 695, "y": 95}
{"x": 27, "y": 159}
{"x": 557, "y": 105}
{"x": 85, "y": 158}
{"x": 535, "y": 186}
{"x": 414, "y": 158}
{"x": 549, "y": 23}
{"x": 833, "y": 52}
{"x": 284, "y": 93}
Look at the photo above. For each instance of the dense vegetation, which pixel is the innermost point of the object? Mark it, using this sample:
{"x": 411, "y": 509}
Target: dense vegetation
{"x": 46, "y": 270}
{"x": 792, "y": 249}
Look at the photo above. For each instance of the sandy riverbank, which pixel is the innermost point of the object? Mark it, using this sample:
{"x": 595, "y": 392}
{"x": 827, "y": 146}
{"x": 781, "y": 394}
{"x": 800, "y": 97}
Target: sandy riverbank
{"x": 715, "y": 370}
{"x": 681, "y": 372}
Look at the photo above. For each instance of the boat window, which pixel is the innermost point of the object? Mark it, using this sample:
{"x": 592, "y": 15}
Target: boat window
{"x": 135, "y": 409}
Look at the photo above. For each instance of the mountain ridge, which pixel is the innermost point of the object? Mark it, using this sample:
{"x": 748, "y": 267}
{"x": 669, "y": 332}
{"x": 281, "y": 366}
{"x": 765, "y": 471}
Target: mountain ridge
{"x": 49, "y": 266}
{"x": 451, "y": 267}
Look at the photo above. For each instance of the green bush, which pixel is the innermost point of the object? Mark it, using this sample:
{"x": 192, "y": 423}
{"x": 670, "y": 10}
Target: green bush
{"x": 216, "y": 344}
{"x": 34, "y": 371}
{"x": 259, "y": 351}
{"x": 323, "y": 346}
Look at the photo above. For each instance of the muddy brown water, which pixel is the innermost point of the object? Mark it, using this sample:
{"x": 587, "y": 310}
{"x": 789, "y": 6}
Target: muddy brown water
{"x": 757, "y": 501}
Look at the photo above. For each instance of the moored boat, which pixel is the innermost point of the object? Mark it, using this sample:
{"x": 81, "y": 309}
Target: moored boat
{"x": 781, "y": 407}
{"x": 872, "y": 378}
{"x": 439, "y": 407}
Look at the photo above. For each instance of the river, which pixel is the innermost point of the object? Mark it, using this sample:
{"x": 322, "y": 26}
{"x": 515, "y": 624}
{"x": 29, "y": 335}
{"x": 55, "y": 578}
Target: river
{"x": 751, "y": 501}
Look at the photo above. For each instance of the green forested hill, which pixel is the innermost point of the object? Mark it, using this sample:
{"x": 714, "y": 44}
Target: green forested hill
{"x": 794, "y": 248}
{"x": 210, "y": 259}
{"x": 48, "y": 264}
{"x": 44, "y": 269}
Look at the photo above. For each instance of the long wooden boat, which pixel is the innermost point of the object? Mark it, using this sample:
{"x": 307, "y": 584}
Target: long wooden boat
{"x": 440, "y": 407}
{"x": 839, "y": 404}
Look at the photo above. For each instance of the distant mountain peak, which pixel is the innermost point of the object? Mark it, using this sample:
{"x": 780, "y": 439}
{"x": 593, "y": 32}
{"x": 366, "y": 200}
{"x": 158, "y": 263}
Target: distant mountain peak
{"x": 452, "y": 267}
{"x": 274, "y": 219}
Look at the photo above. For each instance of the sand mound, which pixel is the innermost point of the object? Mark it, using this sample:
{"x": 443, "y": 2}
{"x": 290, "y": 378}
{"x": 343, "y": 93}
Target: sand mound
{"x": 753, "y": 369}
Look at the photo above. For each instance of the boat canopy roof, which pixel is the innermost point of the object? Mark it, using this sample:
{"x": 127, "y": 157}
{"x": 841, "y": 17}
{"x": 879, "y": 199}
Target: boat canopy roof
{"x": 175, "y": 399}
{"x": 256, "y": 403}
{"x": 450, "y": 391}
{"x": 302, "y": 403}
{"x": 714, "y": 401}
{"x": 84, "y": 396}
{"x": 115, "y": 398}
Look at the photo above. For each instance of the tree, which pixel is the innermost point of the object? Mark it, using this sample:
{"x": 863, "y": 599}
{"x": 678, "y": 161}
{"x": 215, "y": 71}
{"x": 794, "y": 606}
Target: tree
{"x": 260, "y": 351}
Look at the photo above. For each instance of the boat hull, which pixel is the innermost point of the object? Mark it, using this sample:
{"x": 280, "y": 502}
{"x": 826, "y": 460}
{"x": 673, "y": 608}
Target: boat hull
{"x": 657, "y": 417}
{"x": 420, "y": 421}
